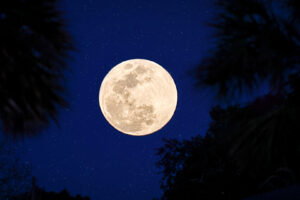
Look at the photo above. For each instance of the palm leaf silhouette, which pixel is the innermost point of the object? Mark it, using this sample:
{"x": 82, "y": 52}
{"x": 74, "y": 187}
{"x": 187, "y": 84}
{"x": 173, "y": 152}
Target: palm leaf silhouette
{"x": 33, "y": 48}
{"x": 254, "y": 43}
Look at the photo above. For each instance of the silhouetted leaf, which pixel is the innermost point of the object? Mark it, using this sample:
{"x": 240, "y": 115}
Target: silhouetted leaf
{"x": 33, "y": 47}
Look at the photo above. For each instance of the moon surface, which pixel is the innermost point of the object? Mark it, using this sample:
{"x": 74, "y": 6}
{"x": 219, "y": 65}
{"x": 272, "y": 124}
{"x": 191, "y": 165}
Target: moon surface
{"x": 138, "y": 97}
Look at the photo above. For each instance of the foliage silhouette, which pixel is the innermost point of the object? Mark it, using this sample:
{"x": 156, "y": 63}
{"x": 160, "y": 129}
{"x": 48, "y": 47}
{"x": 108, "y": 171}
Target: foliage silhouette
{"x": 252, "y": 148}
{"x": 247, "y": 150}
{"x": 14, "y": 174}
{"x": 33, "y": 48}
{"x": 254, "y": 42}
{"x": 37, "y": 193}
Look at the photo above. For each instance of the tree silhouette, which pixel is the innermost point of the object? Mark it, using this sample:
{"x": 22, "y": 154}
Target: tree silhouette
{"x": 247, "y": 150}
{"x": 200, "y": 168}
{"x": 38, "y": 193}
{"x": 14, "y": 174}
{"x": 252, "y": 148}
{"x": 33, "y": 48}
{"x": 254, "y": 42}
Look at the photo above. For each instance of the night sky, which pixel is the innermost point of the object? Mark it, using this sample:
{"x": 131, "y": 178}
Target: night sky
{"x": 85, "y": 154}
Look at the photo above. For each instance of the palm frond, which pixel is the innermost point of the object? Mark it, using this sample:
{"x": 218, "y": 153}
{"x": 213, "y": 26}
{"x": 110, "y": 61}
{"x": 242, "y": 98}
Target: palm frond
{"x": 33, "y": 47}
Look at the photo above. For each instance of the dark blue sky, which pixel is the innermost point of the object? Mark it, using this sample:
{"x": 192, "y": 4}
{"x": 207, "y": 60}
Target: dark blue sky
{"x": 85, "y": 154}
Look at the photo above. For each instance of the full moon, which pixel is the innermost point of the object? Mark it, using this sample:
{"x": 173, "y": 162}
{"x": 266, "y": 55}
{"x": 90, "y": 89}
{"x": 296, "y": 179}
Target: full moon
{"x": 138, "y": 97}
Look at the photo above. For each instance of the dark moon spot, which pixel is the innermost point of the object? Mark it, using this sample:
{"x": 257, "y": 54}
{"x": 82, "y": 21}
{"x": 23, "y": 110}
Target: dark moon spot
{"x": 147, "y": 79}
{"x": 128, "y": 66}
{"x": 141, "y": 69}
{"x": 149, "y": 122}
{"x": 131, "y": 80}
